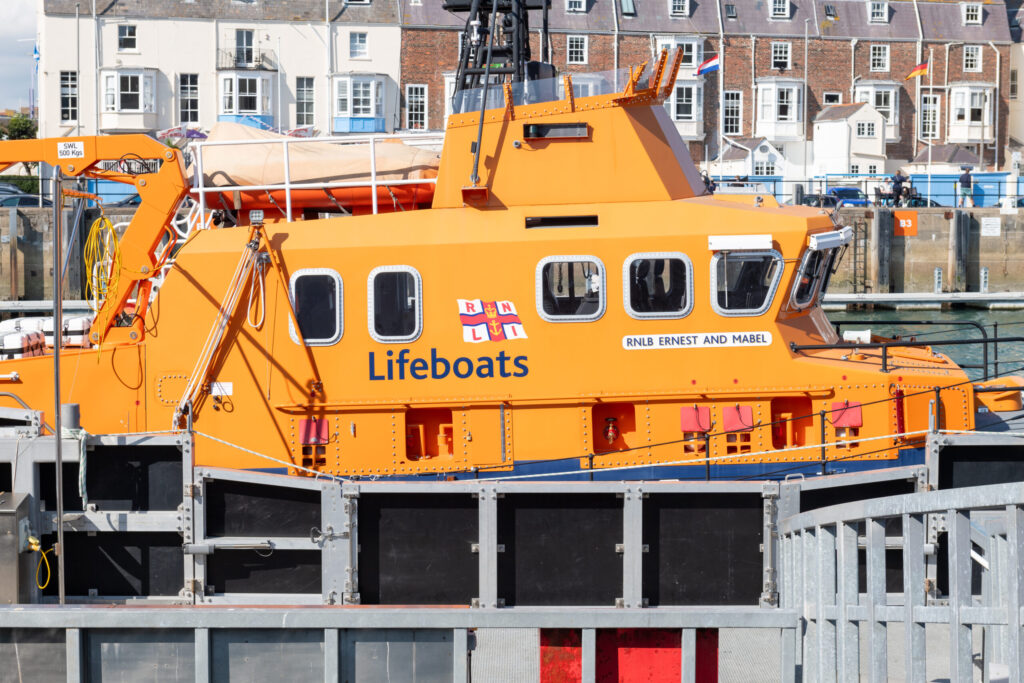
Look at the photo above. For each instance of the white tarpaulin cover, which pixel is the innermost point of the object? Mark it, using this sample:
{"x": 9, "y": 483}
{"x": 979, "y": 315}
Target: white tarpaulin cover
{"x": 310, "y": 162}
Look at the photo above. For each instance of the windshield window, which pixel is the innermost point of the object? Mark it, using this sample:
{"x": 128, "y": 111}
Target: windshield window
{"x": 743, "y": 283}
{"x": 815, "y": 271}
{"x": 849, "y": 193}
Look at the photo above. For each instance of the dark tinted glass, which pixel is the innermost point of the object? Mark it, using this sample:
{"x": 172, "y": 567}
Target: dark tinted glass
{"x": 316, "y": 307}
{"x": 744, "y": 280}
{"x": 571, "y": 288}
{"x": 657, "y": 285}
{"x": 394, "y": 304}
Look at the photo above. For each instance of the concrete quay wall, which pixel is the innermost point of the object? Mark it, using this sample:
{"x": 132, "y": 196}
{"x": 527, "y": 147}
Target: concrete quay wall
{"x": 26, "y": 252}
{"x": 898, "y": 251}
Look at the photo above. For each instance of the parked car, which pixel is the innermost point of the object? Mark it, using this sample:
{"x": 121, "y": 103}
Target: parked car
{"x": 825, "y": 201}
{"x": 132, "y": 200}
{"x": 26, "y": 200}
{"x": 921, "y": 202}
{"x": 851, "y": 196}
{"x": 10, "y": 188}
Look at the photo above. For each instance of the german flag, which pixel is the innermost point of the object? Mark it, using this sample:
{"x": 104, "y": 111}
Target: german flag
{"x": 919, "y": 70}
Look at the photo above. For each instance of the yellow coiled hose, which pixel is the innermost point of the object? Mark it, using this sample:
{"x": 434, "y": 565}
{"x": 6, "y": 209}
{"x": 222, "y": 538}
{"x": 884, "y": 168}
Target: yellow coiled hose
{"x": 102, "y": 262}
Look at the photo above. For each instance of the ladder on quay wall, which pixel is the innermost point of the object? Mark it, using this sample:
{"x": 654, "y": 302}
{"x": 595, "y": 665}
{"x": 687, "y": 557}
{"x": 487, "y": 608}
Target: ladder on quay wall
{"x": 860, "y": 256}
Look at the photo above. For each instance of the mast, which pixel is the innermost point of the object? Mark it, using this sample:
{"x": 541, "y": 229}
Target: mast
{"x": 503, "y": 56}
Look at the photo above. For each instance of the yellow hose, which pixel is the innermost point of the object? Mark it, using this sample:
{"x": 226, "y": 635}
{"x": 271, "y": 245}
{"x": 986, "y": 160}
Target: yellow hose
{"x": 101, "y": 247}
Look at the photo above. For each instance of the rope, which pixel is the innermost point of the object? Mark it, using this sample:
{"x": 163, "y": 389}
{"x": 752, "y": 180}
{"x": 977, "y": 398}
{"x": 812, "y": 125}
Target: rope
{"x": 79, "y": 435}
{"x": 220, "y": 323}
{"x": 286, "y": 463}
{"x": 713, "y": 460}
{"x": 257, "y": 277}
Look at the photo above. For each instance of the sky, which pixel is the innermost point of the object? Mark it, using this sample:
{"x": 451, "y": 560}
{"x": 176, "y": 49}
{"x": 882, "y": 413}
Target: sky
{"x": 17, "y": 37}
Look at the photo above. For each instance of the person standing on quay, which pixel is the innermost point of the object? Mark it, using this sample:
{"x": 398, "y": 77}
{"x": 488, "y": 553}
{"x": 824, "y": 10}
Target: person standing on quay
{"x": 966, "y": 188}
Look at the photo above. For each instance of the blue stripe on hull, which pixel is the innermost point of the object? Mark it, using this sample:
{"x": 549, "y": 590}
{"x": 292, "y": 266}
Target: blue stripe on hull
{"x": 569, "y": 470}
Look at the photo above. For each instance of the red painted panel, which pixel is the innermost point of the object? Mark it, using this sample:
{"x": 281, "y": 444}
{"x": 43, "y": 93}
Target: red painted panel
{"x": 695, "y": 419}
{"x": 313, "y": 431}
{"x": 639, "y": 655}
{"x": 561, "y": 651}
{"x": 642, "y": 655}
{"x": 707, "y": 655}
{"x": 847, "y": 414}
{"x": 738, "y": 418}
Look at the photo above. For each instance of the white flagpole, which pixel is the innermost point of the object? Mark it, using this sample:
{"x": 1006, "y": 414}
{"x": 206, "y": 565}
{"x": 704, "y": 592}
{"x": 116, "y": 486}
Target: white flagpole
{"x": 935, "y": 113}
{"x": 721, "y": 106}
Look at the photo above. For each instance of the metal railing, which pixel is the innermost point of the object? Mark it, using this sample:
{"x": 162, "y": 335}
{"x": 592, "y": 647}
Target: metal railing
{"x": 247, "y": 58}
{"x": 943, "y": 193}
{"x": 821, "y": 575}
{"x": 201, "y": 189}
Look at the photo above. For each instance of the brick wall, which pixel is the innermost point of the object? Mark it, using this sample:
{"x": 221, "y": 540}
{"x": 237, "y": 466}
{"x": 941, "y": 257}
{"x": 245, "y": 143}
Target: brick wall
{"x": 426, "y": 55}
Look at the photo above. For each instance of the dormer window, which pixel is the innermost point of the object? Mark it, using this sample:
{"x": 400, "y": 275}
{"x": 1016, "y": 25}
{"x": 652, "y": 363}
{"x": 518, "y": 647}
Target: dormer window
{"x": 830, "y": 12}
{"x": 971, "y": 13}
{"x": 780, "y": 9}
{"x": 679, "y": 8}
{"x": 878, "y": 12}
{"x": 575, "y": 5}
{"x": 730, "y": 11}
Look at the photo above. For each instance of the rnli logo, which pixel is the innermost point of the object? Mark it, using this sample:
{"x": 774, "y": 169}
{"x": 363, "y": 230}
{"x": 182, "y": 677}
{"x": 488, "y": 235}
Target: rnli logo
{"x": 489, "y": 321}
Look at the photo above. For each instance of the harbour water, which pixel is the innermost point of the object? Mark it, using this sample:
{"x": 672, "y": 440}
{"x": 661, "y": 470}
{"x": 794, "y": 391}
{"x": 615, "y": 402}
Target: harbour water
{"x": 946, "y": 325}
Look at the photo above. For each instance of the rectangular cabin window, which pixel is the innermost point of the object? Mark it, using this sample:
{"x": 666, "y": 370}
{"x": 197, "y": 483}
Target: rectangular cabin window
{"x": 570, "y": 288}
{"x": 657, "y": 285}
{"x": 396, "y": 304}
{"x": 744, "y": 283}
{"x": 316, "y": 295}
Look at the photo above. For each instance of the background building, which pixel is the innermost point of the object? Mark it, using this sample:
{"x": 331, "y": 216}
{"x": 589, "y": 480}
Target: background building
{"x": 374, "y": 66}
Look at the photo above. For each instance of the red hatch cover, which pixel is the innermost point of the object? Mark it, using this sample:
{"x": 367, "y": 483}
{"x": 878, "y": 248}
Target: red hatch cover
{"x": 847, "y": 414}
{"x": 695, "y": 419}
{"x": 313, "y": 431}
{"x": 738, "y": 418}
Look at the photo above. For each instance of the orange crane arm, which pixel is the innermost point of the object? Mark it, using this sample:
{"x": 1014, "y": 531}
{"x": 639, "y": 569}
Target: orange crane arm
{"x": 161, "y": 189}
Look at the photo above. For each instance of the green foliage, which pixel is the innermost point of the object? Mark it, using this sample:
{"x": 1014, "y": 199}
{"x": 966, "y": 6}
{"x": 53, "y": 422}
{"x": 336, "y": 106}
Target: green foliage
{"x": 20, "y": 127}
{"x": 29, "y": 184}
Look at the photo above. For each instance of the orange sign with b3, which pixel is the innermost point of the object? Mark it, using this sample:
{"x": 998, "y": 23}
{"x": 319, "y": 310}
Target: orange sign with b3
{"x": 904, "y": 223}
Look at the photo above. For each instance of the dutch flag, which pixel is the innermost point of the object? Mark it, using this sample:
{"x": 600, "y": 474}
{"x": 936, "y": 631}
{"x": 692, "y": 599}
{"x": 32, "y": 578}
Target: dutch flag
{"x": 708, "y": 65}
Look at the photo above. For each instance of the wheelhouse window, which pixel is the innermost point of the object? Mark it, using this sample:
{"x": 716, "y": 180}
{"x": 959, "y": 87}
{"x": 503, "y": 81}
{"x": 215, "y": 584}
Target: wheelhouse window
{"x": 744, "y": 282}
{"x": 316, "y": 295}
{"x": 658, "y": 285}
{"x": 812, "y": 278}
{"x": 570, "y": 288}
{"x": 396, "y": 304}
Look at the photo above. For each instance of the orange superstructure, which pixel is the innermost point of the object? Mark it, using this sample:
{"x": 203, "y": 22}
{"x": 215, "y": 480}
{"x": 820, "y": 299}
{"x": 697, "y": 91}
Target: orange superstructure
{"x": 584, "y": 305}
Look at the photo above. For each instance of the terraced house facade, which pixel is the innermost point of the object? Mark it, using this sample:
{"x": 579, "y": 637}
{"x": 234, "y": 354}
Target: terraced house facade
{"x": 375, "y": 66}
